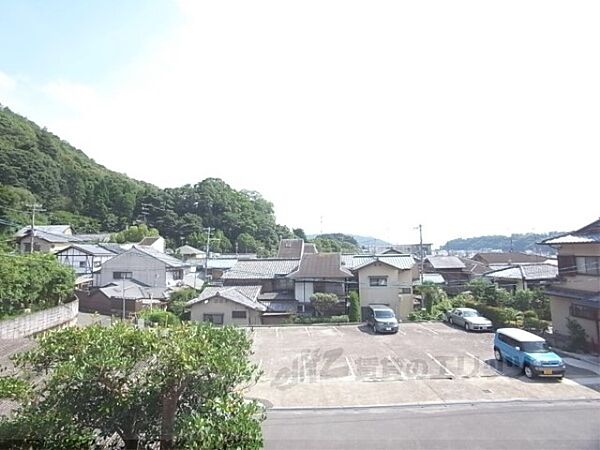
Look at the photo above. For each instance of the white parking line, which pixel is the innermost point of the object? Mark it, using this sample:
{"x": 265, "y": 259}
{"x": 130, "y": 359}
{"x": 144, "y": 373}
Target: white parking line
{"x": 397, "y": 366}
{"x": 448, "y": 372}
{"x": 338, "y": 331}
{"x": 307, "y": 331}
{"x": 484, "y": 363}
{"x": 352, "y": 373}
{"x": 428, "y": 329}
{"x": 401, "y": 332}
{"x": 276, "y": 332}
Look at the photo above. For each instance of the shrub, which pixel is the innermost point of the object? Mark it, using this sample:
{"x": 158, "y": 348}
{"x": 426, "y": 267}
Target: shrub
{"x": 306, "y": 320}
{"x": 354, "y": 307}
{"x": 323, "y": 303}
{"x": 159, "y": 317}
{"x": 577, "y": 336}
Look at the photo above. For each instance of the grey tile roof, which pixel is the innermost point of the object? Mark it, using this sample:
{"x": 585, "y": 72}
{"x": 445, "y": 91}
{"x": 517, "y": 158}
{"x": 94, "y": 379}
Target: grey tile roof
{"x": 95, "y": 237}
{"x": 53, "y": 229}
{"x": 149, "y": 240}
{"x": 509, "y": 257}
{"x": 290, "y": 306}
{"x": 321, "y": 265}
{"x": 272, "y": 296}
{"x": 243, "y": 295}
{"x": 115, "y": 248}
{"x": 532, "y": 271}
{"x": 310, "y": 248}
{"x": 290, "y": 248}
{"x": 89, "y": 249}
{"x": 261, "y": 269}
{"x": 186, "y": 250}
{"x": 169, "y": 260}
{"x": 401, "y": 262}
{"x": 587, "y": 298}
{"x": 445, "y": 262}
{"x": 134, "y": 290}
{"x": 474, "y": 267}
{"x": 588, "y": 234}
{"x": 218, "y": 263}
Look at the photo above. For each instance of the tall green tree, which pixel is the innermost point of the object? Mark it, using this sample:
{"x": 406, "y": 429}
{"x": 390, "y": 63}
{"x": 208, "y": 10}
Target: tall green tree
{"x": 167, "y": 386}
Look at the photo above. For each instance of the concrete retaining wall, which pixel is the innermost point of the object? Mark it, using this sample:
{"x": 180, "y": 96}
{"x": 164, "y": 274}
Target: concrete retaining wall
{"x": 30, "y": 324}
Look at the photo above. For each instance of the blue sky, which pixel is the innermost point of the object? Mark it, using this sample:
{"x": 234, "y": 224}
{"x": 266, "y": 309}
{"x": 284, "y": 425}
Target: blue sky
{"x": 370, "y": 118}
{"x": 87, "y": 41}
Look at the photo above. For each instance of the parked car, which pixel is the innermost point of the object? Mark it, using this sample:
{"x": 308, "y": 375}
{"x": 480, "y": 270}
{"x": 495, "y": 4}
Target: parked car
{"x": 469, "y": 318}
{"x": 382, "y": 319}
{"x": 529, "y": 352}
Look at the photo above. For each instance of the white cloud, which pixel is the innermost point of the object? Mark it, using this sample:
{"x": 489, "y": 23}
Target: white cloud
{"x": 468, "y": 117}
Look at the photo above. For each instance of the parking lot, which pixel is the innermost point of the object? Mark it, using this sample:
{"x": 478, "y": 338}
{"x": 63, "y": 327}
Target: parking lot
{"x": 310, "y": 359}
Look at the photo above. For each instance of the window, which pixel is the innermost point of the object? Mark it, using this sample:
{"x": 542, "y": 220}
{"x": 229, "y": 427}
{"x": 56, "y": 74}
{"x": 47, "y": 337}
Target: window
{"x": 238, "y": 314}
{"x": 377, "y": 281}
{"x": 81, "y": 263}
{"x": 405, "y": 290}
{"x": 122, "y": 275}
{"x": 583, "y": 312}
{"x": 177, "y": 275}
{"x": 588, "y": 265}
{"x": 216, "y": 319}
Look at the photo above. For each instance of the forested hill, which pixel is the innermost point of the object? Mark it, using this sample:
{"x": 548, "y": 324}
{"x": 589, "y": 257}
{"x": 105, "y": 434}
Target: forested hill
{"x": 37, "y": 166}
{"x": 516, "y": 242}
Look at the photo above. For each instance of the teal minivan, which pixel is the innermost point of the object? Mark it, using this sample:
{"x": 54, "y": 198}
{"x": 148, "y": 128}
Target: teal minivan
{"x": 529, "y": 352}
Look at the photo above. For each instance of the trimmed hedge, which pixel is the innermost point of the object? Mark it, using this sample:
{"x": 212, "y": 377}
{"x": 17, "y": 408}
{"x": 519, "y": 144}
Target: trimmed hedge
{"x": 305, "y": 320}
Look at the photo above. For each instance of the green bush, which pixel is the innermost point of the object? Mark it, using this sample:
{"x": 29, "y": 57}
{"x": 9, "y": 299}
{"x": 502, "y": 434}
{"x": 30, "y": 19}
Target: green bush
{"x": 577, "y": 336}
{"x": 354, "y": 307}
{"x": 307, "y": 320}
{"x": 159, "y": 317}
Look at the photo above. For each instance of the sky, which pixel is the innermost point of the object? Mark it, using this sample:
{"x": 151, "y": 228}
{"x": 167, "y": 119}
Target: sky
{"x": 468, "y": 117}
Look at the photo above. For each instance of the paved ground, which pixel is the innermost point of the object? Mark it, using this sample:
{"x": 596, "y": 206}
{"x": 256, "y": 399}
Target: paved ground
{"x": 87, "y": 319}
{"x": 545, "y": 425}
{"x": 429, "y": 362}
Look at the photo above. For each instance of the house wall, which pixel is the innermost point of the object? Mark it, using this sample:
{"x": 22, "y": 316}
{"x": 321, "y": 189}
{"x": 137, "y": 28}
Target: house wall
{"x": 144, "y": 268}
{"x": 303, "y": 289}
{"x": 559, "y": 308}
{"x": 40, "y": 245}
{"x": 75, "y": 258}
{"x": 402, "y": 304}
{"x": 578, "y": 281}
{"x": 96, "y": 302}
{"x": 218, "y": 305}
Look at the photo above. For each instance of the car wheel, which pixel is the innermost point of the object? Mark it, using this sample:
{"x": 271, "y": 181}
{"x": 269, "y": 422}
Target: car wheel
{"x": 467, "y": 328}
{"x": 498, "y": 355}
{"x": 529, "y": 373}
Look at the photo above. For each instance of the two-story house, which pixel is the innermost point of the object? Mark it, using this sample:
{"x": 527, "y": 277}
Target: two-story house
{"x": 385, "y": 279}
{"x": 85, "y": 259}
{"x": 45, "y": 238}
{"x": 576, "y": 295}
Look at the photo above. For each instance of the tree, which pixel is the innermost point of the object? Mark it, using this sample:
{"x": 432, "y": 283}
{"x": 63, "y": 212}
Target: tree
{"x": 134, "y": 233}
{"x": 144, "y": 386}
{"x": 354, "y": 315}
{"x": 299, "y": 233}
{"x": 432, "y": 295}
{"x": 323, "y": 303}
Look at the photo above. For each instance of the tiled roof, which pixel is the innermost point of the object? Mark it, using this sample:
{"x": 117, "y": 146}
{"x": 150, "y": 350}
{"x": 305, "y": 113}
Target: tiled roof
{"x": 280, "y": 295}
{"x": 149, "y": 240}
{"x": 90, "y": 249}
{"x": 243, "y": 295}
{"x": 586, "y": 298}
{"x": 474, "y": 267}
{"x": 445, "y": 262}
{"x": 134, "y": 290}
{"x": 52, "y": 229}
{"x": 588, "y": 234}
{"x": 509, "y": 257}
{"x": 95, "y": 237}
{"x": 261, "y": 269}
{"x": 185, "y": 250}
{"x": 290, "y": 306}
{"x": 526, "y": 272}
{"x": 401, "y": 262}
{"x": 169, "y": 260}
{"x": 115, "y": 248}
{"x": 290, "y": 248}
{"x": 310, "y": 248}
{"x": 321, "y": 265}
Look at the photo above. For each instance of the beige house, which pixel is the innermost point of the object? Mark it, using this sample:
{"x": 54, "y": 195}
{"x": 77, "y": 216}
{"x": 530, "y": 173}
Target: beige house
{"x": 387, "y": 280}
{"x": 577, "y": 293}
{"x": 46, "y": 238}
{"x": 233, "y": 305}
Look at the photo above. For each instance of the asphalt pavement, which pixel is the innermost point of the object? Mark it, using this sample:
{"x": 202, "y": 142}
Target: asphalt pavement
{"x": 569, "y": 425}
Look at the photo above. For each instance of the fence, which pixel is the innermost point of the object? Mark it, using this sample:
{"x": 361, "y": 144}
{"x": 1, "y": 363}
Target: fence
{"x": 30, "y": 324}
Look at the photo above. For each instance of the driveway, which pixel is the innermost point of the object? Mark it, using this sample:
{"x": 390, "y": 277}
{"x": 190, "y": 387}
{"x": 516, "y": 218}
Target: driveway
{"x": 424, "y": 362}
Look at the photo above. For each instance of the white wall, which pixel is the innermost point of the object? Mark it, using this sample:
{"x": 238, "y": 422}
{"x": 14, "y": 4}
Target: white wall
{"x": 218, "y": 305}
{"x": 30, "y": 324}
{"x": 402, "y": 304}
{"x": 303, "y": 291}
{"x": 144, "y": 268}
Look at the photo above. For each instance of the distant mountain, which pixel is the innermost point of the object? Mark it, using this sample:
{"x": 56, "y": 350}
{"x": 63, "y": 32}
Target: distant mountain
{"x": 360, "y": 241}
{"x": 516, "y": 242}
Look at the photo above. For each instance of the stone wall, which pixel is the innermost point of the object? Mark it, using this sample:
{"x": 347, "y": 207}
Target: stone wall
{"x": 30, "y": 324}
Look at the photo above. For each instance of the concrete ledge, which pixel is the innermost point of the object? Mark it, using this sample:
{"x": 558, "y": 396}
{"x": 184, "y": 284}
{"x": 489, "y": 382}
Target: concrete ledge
{"x": 39, "y": 321}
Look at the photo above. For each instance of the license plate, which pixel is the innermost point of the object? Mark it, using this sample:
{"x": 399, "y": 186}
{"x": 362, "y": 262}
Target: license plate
{"x": 388, "y": 329}
{"x": 547, "y": 371}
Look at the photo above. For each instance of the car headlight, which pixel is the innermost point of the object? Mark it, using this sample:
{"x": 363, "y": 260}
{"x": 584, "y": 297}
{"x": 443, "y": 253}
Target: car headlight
{"x": 537, "y": 363}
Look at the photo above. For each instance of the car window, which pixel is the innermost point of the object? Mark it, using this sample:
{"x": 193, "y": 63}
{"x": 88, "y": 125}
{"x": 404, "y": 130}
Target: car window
{"x": 471, "y": 314}
{"x": 535, "y": 347}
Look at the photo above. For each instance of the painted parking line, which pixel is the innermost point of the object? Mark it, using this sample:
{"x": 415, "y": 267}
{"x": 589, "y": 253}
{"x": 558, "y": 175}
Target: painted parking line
{"x": 446, "y": 370}
{"x": 401, "y": 332}
{"x": 307, "y": 331}
{"x": 337, "y": 330}
{"x": 396, "y": 366}
{"x": 276, "y": 332}
{"x": 352, "y": 373}
{"x": 428, "y": 329}
{"x": 485, "y": 364}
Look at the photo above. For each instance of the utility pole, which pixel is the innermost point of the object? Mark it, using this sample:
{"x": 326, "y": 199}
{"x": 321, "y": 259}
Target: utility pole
{"x": 421, "y": 252}
{"x": 207, "y": 254}
{"x": 35, "y": 207}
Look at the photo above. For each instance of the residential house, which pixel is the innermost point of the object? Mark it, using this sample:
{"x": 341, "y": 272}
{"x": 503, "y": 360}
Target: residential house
{"x": 319, "y": 273}
{"x": 270, "y": 273}
{"x": 226, "y": 305}
{"x": 290, "y": 249}
{"x": 190, "y": 254}
{"x": 523, "y": 276}
{"x": 123, "y": 297}
{"x": 452, "y": 268}
{"x": 576, "y": 295}
{"x": 411, "y": 249}
{"x": 501, "y": 260}
{"x": 46, "y": 238}
{"x": 85, "y": 259}
{"x": 384, "y": 279}
{"x": 145, "y": 265}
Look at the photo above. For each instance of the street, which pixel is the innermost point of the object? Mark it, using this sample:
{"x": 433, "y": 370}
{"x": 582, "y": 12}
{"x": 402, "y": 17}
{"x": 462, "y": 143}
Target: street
{"x": 514, "y": 425}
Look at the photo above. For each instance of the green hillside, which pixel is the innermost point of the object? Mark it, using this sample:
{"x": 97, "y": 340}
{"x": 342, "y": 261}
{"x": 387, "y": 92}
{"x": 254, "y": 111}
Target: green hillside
{"x": 37, "y": 166}
{"x": 515, "y": 242}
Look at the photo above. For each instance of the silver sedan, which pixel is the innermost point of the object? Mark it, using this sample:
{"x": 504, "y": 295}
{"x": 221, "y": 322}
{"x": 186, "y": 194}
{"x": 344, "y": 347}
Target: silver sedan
{"x": 469, "y": 318}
